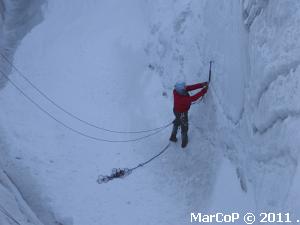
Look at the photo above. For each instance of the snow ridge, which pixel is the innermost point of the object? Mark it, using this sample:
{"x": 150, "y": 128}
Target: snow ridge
{"x": 252, "y": 9}
{"x": 13, "y": 207}
{"x": 17, "y": 18}
{"x": 273, "y": 111}
{"x": 250, "y": 115}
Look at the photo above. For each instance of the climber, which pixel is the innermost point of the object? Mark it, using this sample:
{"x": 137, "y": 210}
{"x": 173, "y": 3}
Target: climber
{"x": 182, "y": 103}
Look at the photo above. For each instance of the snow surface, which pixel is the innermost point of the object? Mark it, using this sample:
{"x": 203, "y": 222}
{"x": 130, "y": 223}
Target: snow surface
{"x": 272, "y": 105}
{"x": 17, "y": 18}
{"x": 14, "y": 208}
{"x": 115, "y": 63}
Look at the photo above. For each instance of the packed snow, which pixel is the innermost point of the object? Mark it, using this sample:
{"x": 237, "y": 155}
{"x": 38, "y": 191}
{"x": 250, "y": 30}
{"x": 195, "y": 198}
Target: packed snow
{"x": 114, "y": 64}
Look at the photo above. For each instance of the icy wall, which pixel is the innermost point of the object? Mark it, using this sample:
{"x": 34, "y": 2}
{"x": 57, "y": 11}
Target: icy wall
{"x": 273, "y": 99}
{"x": 13, "y": 208}
{"x": 186, "y": 35}
{"x": 252, "y": 9}
{"x": 17, "y": 18}
{"x": 252, "y": 109}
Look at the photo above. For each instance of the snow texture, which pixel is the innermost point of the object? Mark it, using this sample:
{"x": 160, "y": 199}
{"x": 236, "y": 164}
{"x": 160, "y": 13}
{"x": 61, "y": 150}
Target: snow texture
{"x": 115, "y": 63}
{"x": 252, "y": 9}
{"x": 13, "y": 208}
{"x": 17, "y": 18}
{"x": 272, "y": 104}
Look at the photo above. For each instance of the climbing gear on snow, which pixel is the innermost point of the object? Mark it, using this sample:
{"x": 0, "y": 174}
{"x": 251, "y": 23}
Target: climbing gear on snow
{"x": 121, "y": 173}
{"x": 116, "y": 173}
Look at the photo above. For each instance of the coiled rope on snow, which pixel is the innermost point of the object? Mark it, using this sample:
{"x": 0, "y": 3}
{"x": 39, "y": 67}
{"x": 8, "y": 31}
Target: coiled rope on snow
{"x": 121, "y": 173}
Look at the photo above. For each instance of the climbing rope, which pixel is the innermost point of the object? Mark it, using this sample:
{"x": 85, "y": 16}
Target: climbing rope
{"x": 8, "y": 215}
{"x": 73, "y": 129}
{"x": 68, "y": 112}
{"x": 121, "y": 173}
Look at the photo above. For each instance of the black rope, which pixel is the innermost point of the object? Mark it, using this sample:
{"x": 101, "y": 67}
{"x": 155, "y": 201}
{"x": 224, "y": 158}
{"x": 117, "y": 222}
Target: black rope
{"x": 70, "y": 113}
{"x": 7, "y": 214}
{"x": 121, "y": 173}
{"x": 73, "y": 129}
{"x": 154, "y": 157}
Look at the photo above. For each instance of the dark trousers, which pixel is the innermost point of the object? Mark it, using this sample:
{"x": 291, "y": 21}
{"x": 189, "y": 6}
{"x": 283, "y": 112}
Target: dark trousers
{"x": 181, "y": 119}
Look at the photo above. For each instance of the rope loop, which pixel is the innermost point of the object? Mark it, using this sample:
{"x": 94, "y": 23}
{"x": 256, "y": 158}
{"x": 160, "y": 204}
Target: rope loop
{"x": 121, "y": 173}
{"x": 116, "y": 173}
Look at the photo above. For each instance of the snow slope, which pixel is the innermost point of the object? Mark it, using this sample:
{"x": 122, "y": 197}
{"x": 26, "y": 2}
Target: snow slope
{"x": 17, "y": 18}
{"x": 115, "y": 63}
{"x": 14, "y": 208}
{"x": 272, "y": 103}
{"x": 93, "y": 62}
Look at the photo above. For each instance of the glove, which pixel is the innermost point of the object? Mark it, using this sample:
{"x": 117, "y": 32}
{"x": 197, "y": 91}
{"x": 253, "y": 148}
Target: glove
{"x": 205, "y": 90}
{"x": 205, "y": 85}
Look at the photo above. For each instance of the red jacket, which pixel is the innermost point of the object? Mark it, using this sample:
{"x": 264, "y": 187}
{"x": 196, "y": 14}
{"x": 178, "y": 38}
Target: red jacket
{"x": 182, "y": 103}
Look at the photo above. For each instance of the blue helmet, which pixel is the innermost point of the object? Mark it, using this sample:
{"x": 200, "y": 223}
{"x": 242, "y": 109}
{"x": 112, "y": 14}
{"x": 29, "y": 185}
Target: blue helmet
{"x": 180, "y": 87}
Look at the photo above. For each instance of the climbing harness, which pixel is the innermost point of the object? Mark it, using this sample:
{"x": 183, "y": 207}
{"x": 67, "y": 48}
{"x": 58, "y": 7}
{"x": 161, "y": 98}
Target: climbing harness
{"x": 183, "y": 119}
{"x": 20, "y": 73}
{"x": 121, "y": 173}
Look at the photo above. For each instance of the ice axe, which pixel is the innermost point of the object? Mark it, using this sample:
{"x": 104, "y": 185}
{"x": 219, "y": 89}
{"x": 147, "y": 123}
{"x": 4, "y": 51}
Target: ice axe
{"x": 209, "y": 75}
{"x": 210, "y": 63}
